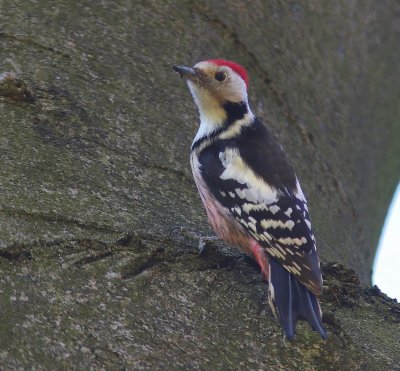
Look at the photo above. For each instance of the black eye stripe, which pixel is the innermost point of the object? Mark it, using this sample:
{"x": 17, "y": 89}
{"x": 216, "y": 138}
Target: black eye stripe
{"x": 220, "y": 76}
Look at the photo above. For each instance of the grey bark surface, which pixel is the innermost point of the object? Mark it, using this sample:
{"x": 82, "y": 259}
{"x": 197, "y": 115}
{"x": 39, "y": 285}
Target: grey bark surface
{"x": 98, "y": 211}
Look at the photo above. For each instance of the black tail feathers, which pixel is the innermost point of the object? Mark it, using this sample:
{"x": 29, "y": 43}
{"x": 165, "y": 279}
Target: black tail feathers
{"x": 291, "y": 301}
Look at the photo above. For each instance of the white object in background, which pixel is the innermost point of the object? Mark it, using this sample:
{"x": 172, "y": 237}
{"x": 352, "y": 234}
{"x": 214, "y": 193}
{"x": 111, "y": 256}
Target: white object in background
{"x": 387, "y": 260}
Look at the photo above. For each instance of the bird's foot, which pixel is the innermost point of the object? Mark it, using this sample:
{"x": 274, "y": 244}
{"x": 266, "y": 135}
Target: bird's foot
{"x": 204, "y": 241}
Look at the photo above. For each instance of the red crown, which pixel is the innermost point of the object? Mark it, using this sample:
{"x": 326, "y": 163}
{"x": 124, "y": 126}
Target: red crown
{"x": 235, "y": 67}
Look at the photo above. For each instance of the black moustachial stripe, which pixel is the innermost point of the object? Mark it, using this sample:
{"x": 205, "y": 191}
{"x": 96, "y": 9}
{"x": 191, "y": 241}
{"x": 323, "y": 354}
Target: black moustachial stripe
{"x": 234, "y": 112}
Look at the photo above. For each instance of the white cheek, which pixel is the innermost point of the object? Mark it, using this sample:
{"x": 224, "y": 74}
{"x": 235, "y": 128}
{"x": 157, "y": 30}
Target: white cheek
{"x": 236, "y": 90}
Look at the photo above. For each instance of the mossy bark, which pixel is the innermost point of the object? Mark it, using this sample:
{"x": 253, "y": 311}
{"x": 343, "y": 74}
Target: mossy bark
{"x": 98, "y": 264}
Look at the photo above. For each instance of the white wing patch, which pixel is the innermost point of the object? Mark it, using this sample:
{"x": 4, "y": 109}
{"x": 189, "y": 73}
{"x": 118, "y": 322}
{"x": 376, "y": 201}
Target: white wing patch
{"x": 256, "y": 190}
{"x": 293, "y": 241}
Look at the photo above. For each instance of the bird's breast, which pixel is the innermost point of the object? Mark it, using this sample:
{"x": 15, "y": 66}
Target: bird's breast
{"x": 224, "y": 224}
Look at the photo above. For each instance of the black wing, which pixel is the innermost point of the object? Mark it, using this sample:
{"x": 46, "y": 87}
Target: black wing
{"x": 265, "y": 199}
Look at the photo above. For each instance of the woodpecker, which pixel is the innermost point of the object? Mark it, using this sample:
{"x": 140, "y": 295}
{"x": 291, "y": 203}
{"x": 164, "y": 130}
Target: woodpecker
{"x": 251, "y": 193}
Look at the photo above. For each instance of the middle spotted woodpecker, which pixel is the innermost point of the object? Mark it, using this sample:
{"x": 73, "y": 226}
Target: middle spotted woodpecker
{"x": 251, "y": 193}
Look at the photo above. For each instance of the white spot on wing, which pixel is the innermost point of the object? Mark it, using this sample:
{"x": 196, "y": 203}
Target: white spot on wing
{"x": 262, "y": 237}
{"x": 288, "y": 212}
{"x": 274, "y": 209}
{"x": 252, "y": 226}
{"x": 254, "y": 235}
{"x": 242, "y": 221}
{"x": 247, "y": 208}
{"x": 293, "y": 270}
{"x": 292, "y": 241}
{"x": 296, "y": 265}
{"x": 281, "y": 250}
{"x": 270, "y": 223}
{"x": 252, "y": 220}
{"x": 306, "y": 266}
{"x": 267, "y": 235}
{"x": 238, "y": 211}
{"x": 290, "y": 224}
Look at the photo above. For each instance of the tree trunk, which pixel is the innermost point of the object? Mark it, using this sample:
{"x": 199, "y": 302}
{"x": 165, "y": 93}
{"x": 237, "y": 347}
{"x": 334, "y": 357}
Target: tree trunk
{"x": 99, "y": 212}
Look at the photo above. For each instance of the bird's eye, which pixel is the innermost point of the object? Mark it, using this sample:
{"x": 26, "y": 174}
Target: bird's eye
{"x": 220, "y": 76}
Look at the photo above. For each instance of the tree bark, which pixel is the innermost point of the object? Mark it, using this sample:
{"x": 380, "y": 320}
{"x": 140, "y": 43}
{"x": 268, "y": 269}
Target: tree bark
{"x": 99, "y": 213}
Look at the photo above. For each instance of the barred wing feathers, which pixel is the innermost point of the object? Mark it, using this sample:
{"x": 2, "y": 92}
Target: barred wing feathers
{"x": 265, "y": 199}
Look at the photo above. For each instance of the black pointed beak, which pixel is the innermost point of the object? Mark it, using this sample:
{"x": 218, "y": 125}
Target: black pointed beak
{"x": 186, "y": 72}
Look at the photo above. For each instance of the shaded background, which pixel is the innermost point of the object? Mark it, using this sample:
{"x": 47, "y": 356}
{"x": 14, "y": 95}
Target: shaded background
{"x": 98, "y": 208}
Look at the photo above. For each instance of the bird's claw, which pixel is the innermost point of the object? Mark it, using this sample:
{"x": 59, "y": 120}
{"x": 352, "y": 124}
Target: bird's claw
{"x": 204, "y": 243}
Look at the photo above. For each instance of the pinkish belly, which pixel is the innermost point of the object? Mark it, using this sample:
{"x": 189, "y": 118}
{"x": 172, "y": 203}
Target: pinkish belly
{"x": 225, "y": 225}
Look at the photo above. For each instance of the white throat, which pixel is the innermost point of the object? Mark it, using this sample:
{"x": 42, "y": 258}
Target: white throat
{"x": 209, "y": 108}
